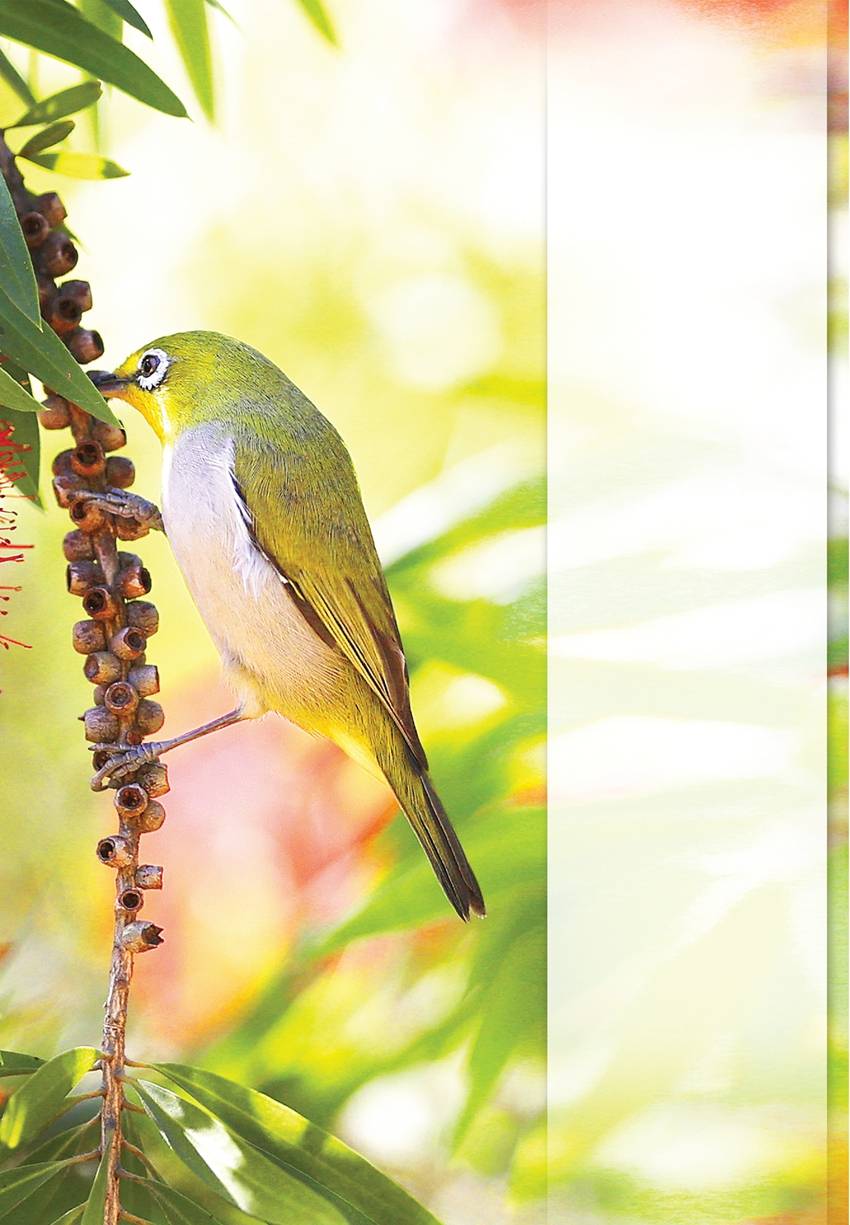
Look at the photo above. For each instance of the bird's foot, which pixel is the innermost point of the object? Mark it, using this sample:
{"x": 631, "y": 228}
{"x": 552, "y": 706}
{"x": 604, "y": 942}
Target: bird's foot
{"x": 123, "y": 761}
{"x": 125, "y": 505}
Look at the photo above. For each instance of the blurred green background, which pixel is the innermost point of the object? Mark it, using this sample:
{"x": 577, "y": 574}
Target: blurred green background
{"x": 371, "y": 218}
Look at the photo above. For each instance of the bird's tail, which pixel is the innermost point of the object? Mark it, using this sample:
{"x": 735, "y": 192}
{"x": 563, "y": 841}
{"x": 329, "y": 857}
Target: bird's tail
{"x": 423, "y": 809}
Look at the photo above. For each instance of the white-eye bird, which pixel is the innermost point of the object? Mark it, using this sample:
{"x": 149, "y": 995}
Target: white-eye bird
{"x": 261, "y": 506}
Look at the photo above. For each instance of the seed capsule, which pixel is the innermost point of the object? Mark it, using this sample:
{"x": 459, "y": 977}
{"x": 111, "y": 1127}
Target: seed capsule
{"x": 77, "y": 546}
{"x": 142, "y": 615}
{"x": 101, "y": 727}
{"x": 102, "y": 668}
{"x": 87, "y": 516}
{"x": 127, "y": 643}
{"x": 35, "y": 229}
{"x": 51, "y": 208}
{"x": 149, "y": 717}
{"x": 134, "y": 579}
{"x": 149, "y": 876}
{"x": 88, "y": 636}
{"x": 114, "y": 851}
{"x": 63, "y": 314}
{"x": 154, "y": 778}
{"x": 131, "y": 800}
{"x": 57, "y": 254}
{"x": 130, "y": 529}
{"x": 110, "y": 437}
{"x": 120, "y": 472}
{"x": 121, "y": 698}
{"x": 140, "y": 937}
{"x": 145, "y": 679}
{"x": 81, "y": 575}
{"x": 88, "y": 459}
{"x": 86, "y": 345}
{"x": 100, "y": 604}
{"x": 78, "y": 292}
{"x": 152, "y": 818}
{"x": 130, "y": 899}
{"x": 54, "y": 415}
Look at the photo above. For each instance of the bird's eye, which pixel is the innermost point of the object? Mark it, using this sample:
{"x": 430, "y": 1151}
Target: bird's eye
{"x": 153, "y": 367}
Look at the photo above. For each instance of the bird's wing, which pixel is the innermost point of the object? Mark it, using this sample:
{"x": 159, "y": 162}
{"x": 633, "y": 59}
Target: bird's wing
{"x": 306, "y": 516}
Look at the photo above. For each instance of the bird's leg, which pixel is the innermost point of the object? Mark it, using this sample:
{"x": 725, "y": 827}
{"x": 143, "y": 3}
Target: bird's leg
{"x": 125, "y": 760}
{"x": 124, "y": 504}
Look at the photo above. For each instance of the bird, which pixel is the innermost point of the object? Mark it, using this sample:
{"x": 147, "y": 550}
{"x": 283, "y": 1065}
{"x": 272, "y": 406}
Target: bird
{"x": 263, "y": 512}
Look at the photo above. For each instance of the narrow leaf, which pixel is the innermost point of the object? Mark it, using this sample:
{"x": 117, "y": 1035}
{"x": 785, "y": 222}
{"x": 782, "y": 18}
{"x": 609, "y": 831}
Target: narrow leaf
{"x": 13, "y": 1062}
{"x": 216, "y": 4}
{"x": 318, "y": 14}
{"x": 18, "y": 1184}
{"x": 47, "y": 137}
{"x": 57, "y": 106}
{"x": 131, "y": 15}
{"x": 10, "y": 74}
{"x": 16, "y": 271}
{"x": 41, "y": 1096}
{"x": 78, "y": 165}
{"x": 106, "y": 19}
{"x": 27, "y": 443}
{"x": 55, "y": 27}
{"x": 177, "y": 1209}
{"x": 41, "y": 353}
{"x": 93, "y": 1213}
{"x": 72, "y": 1217}
{"x": 300, "y": 1146}
{"x": 188, "y": 21}
{"x": 237, "y": 1171}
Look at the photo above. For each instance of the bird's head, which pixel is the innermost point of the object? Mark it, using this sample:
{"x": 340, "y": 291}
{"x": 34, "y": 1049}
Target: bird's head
{"x": 180, "y": 380}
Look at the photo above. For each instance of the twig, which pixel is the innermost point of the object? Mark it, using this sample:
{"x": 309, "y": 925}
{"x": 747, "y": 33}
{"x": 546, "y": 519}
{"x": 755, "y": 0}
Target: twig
{"x": 113, "y": 639}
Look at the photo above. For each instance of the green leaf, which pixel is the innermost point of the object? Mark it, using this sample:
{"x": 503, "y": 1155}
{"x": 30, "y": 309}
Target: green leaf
{"x": 93, "y": 1213}
{"x": 42, "y": 353}
{"x": 10, "y": 74}
{"x": 216, "y": 4}
{"x": 176, "y": 1208}
{"x": 237, "y": 1171}
{"x": 318, "y": 14}
{"x": 57, "y": 106}
{"x": 25, "y": 436}
{"x": 78, "y": 165}
{"x": 47, "y": 137}
{"x": 13, "y": 1063}
{"x": 41, "y": 1096}
{"x": 106, "y": 19}
{"x": 55, "y": 27}
{"x": 18, "y": 1184}
{"x": 72, "y": 1217}
{"x": 188, "y": 21}
{"x": 16, "y": 271}
{"x": 131, "y": 15}
{"x": 300, "y": 1146}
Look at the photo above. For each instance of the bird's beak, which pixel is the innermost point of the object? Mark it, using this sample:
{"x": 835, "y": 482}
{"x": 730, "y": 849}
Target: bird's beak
{"x": 108, "y": 383}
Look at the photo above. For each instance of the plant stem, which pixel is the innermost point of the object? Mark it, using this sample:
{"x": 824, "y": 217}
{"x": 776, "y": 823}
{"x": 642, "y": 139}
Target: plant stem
{"x": 101, "y": 535}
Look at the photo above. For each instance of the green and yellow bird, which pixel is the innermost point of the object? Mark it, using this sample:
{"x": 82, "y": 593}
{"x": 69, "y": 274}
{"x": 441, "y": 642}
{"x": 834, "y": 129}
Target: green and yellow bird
{"x": 262, "y": 508}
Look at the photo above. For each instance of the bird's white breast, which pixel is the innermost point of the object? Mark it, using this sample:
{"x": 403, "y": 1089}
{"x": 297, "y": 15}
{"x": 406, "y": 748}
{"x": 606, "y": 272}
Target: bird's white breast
{"x": 240, "y": 595}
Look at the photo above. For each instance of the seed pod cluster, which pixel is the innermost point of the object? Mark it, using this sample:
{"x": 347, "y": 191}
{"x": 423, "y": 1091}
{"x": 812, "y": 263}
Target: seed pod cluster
{"x": 117, "y": 623}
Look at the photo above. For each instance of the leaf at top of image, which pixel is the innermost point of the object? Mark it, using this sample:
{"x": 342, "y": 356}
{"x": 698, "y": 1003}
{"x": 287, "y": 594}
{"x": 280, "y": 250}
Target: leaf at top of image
{"x": 78, "y": 165}
{"x": 57, "y": 106}
{"x": 48, "y": 136}
{"x": 295, "y": 1142}
{"x": 318, "y": 15}
{"x": 57, "y": 28}
{"x": 127, "y": 12}
{"x": 188, "y": 21}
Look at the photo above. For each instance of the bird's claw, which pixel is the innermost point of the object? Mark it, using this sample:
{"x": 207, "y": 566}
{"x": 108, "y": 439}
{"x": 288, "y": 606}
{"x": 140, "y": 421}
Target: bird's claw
{"x": 122, "y": 761}
{"x": 125, "y": 505}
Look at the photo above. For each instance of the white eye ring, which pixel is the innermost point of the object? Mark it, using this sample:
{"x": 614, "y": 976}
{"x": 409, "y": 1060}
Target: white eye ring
{"x": 147, "y": 382}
